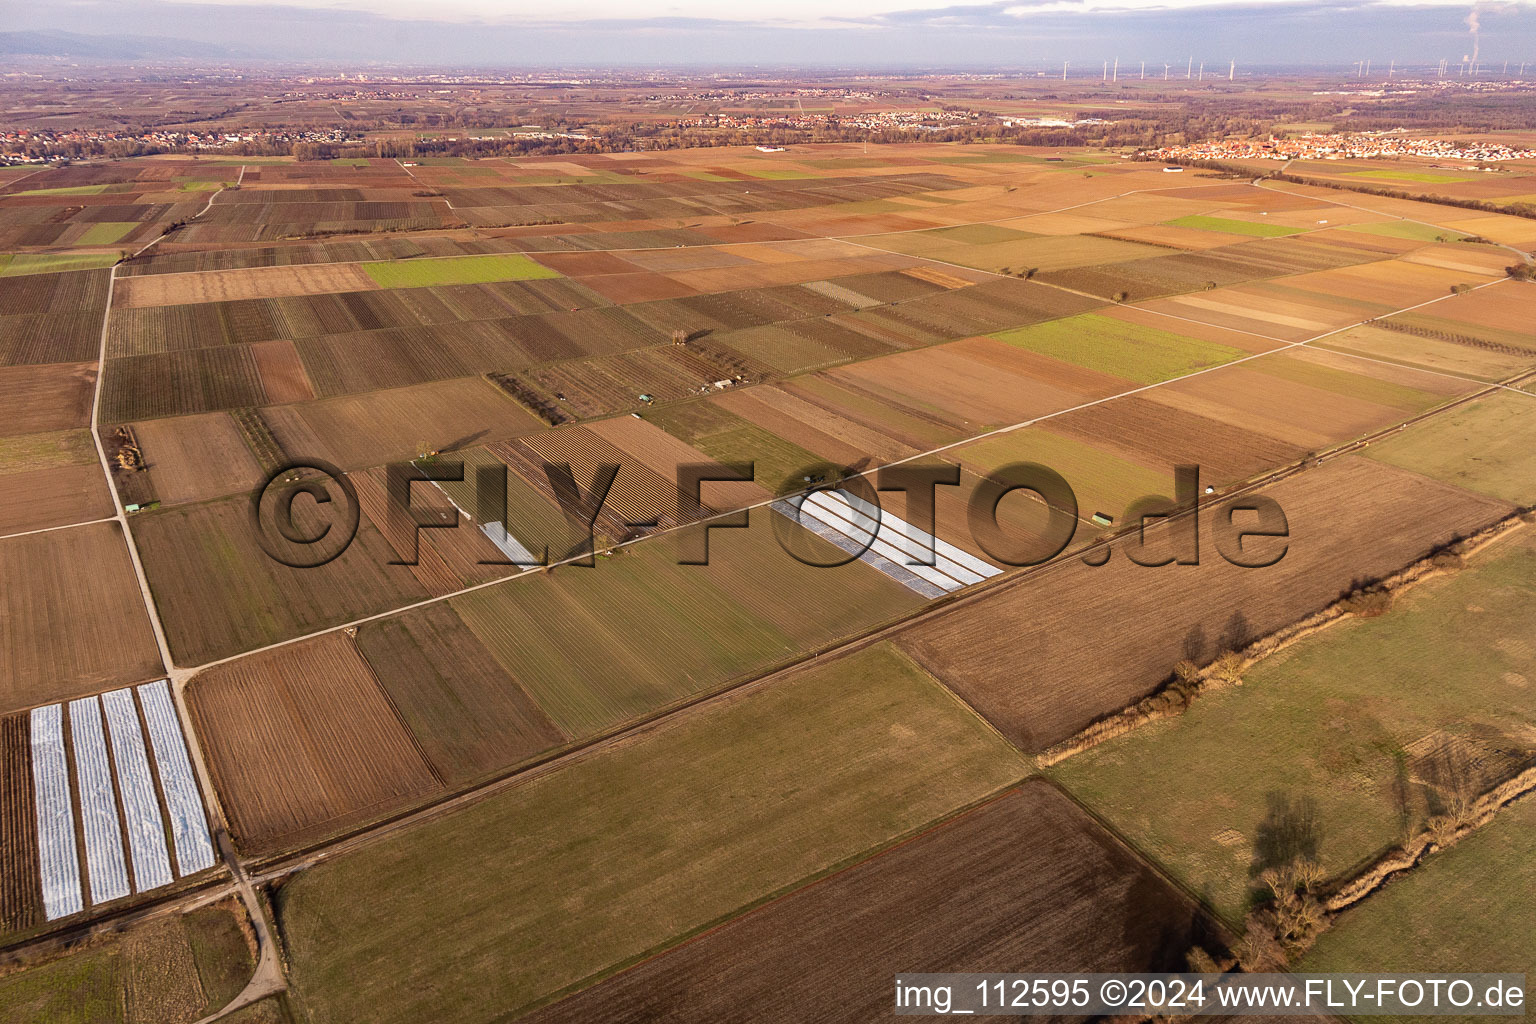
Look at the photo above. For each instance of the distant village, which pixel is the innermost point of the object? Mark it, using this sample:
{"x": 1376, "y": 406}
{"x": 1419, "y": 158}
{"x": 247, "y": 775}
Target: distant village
{"x": 35, "y": 147}
{"x": 1347, "y": 146}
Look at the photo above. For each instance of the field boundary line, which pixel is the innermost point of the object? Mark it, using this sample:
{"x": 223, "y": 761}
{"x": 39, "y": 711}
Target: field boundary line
{"x": 64, "y": 526}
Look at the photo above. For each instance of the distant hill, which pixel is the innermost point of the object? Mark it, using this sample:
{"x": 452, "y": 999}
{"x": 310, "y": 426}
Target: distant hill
{"x": 74, "y": 44}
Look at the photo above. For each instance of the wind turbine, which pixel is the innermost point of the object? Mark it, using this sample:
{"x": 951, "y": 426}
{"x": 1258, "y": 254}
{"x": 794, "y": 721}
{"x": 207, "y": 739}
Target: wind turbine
{"x": 1165, "y": 71}
{"x": 1143, "y": 71}
{"x": 1232, "y": 72}
{"x": 1064, "y": 69}
{"x": 1117, "y": 70}
{"x": 1202, "y": 71}
{"x": 1189, "y": 72}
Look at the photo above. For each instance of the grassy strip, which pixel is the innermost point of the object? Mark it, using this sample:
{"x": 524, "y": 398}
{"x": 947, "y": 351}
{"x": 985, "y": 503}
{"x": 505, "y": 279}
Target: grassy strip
{"x": 1234, "y": 227}
{"x": 1146, "y": 355}
{"x": 457, "y": 270}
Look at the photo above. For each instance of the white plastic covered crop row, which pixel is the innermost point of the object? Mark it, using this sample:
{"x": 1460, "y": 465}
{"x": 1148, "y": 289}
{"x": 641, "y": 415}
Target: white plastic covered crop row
{"x": 189, "y": 824}
{"x": 146, "y": 829}
{"x": 59, "y": 863}
{"x": 104, "y": 863}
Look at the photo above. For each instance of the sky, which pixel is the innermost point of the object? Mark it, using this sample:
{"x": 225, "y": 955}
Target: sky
{"x": 876, "y": 33}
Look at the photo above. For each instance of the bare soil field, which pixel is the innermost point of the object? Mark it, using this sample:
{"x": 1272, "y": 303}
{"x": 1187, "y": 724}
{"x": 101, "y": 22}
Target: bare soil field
{"x": 1020, "y": 884}
{"x": 178, "y": 383}
{"x": 219, "y": 593}
{"x": 256, "y": 283}
{"x": 984, "y": 382}
{"x": 36, "y": 499}
{"x": 1150, "y": 433}
{"x": 72, "y": 616}
{"x": 467, "y": 715}
{"x": 302, "y": 740}
{"x": 282, "y": 373}
{"x": 53, "y": 396}
{"x": 1093, "y": 640}
{"x": 190, "y": 458}
{"x": 369, "y": 429}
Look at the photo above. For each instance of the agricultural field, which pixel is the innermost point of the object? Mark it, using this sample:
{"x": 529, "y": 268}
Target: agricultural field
{"x": 169, "y": 970}
{"x": 1449, "y": 903}
{"x": 497, "y": 772}
{"x": 74, "y": 620}
{"x": 1100, "y": 638}
{"x": 1015, "y": 885}
{"x": 1363, "y": 732}
{"x": 830, "y": 763}
{"x": 1484, "y": 446}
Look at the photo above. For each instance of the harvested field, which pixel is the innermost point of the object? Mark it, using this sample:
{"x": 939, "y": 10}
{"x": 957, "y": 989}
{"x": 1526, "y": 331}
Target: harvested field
{"x": 1349, "y": 520}
{"x": 282, "y": 374}
{"x": 72, "y": 616}
{"x": 467, "y": 716}
{"x": 190, "y": 458}
{"x": 219, "y": 593}
{"x": 741, "y": 801}
{"x": 302, "y": 741}
{"x": 224, "y": 285}
{"x": 55, "y": 396}
{"x": 1023, "y": 883}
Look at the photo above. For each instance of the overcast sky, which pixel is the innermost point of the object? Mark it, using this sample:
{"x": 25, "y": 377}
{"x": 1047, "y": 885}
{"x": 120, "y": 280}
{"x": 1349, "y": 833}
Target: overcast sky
{"x": 842, "y": 32}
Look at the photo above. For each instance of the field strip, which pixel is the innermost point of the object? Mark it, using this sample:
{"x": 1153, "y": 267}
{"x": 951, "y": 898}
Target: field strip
{"x": 59, "y": 863}
{"x": 98, "y": 806}
{"x": 186, "y": 672}
{"x": 146, "y": 829}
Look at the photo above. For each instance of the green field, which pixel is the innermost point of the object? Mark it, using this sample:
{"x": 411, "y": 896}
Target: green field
{"x": 596, "y": 647}
{"x": 1467, "y": 909}
{"x": 1355, "y": 722}
{"x": 23, "y": 263}
{"x": 107, "y": 232}
{"x": 170, "y": 971}
{"x": 1102, "y": 481}
{"x": 1411, "y": 230}
{"x": 1235, "y": 227}
{"x": 589, "y": 867}
{"x": 456, "y": 270}
{"x": 1424, "y": 176}
{"x": 1146, "y": 355}
{"x": 1488, "y": 446}
{"x": 75, "y": 190}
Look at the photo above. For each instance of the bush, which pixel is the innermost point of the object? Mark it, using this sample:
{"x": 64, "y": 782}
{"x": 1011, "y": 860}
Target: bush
{"x": 1368, "y": 602}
